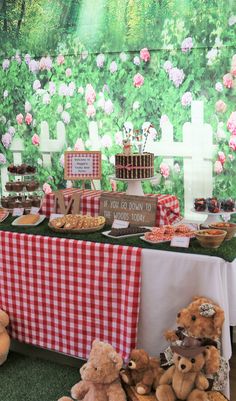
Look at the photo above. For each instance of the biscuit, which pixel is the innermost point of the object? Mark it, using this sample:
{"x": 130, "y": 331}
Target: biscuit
{"x": 28, "y": 219}
{"x": 58, "y": 222}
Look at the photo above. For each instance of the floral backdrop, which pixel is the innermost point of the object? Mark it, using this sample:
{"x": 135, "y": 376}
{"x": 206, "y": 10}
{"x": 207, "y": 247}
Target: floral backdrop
{"x": 134, "y": 75}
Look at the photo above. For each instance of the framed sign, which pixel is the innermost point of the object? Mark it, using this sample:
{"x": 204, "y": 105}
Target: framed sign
{"x": 138, "y": 210}
{"x": 82, "y": 165}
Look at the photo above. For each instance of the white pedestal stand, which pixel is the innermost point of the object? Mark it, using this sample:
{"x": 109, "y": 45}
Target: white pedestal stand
{"x": 214, "y": 217}
{"x": 134, "y": 186}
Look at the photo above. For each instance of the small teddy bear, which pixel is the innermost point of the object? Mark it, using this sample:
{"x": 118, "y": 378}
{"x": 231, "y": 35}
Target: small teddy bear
{"x": 184, "y": 380}
{"x": 4, "y": 337}
{"x": 100, "y": 376}
{"x": 142, "y": 371}
{"x": 202, "y": 319}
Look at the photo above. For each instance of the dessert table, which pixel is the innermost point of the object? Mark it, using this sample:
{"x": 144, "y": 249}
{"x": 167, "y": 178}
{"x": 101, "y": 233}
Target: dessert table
{"x": 63, "y": 290}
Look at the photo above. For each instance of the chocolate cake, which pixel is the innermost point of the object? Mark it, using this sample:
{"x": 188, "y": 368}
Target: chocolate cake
{"x": 134, "y": 166}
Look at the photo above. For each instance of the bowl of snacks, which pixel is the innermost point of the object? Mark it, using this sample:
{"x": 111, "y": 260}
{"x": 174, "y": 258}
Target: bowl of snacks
{"x": 210, "y": 238}
{"x": 230, "y": 228}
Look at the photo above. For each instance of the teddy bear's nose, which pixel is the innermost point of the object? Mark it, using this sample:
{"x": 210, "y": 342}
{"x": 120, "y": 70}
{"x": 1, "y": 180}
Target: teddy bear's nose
{"x": 183, "y": 366}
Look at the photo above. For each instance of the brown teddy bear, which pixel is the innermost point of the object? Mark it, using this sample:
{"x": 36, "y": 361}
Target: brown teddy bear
{"x": 4, "y": 336}
{"x": 142, "y": 371}
{"x": 100, "y": 376}
{"x": 184, "y": 380}
{"x": 202, "y": 319}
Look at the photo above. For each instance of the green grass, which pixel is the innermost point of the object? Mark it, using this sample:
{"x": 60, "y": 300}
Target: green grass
{"x": 32, "y": 379}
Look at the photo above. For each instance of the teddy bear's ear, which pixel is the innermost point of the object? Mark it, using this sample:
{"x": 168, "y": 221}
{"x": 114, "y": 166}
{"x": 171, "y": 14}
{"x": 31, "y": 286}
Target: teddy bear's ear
{"x": 116, "y": 359}
{"x": 96, "y": 343}
{"x": 212, "y": 360}
{"x": 219, "y": 318}
{"x": 4, "y": 318}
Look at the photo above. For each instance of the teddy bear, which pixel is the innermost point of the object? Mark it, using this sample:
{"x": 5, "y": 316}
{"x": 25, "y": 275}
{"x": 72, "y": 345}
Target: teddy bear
{"x": 184, "y": 380}
{"x": 202, "y": 319}
{"x": 142, "y": 371}
{"x": 4, "y": 336}
{"x": 100, "y": 376}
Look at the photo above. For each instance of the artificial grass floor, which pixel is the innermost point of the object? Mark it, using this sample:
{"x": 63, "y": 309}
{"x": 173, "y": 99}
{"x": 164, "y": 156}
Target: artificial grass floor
{"x": 24, "y": 378}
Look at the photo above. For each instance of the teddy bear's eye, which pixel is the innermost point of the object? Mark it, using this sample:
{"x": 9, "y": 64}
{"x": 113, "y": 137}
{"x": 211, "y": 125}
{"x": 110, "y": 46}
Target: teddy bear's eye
{"x": 193, "y": 360}
{"x": 179, "y": 314}
{"x": 193, "y": 317}
{"x": 179, "y": 357}
{"x": 95, "y": 368}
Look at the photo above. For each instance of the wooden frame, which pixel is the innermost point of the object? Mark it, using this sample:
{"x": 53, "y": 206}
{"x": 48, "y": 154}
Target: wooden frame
{"x": 82, "y": 165}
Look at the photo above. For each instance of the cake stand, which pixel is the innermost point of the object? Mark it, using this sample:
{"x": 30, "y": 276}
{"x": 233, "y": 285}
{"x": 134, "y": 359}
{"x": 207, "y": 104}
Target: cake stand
{"x": 214, "y": 217}
{"x": 134, "y": 185}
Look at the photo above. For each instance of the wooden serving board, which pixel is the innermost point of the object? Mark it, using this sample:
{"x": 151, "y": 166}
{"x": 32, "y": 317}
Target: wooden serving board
{"x": 76, "y": 231}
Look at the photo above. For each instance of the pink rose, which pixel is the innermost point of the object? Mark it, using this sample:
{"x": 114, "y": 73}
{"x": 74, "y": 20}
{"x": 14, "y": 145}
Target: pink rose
{"x": 233, "y": 65}
{"x": 118, "y": 138}
{"x": 220, "y": 106}
{"x": 91, "y": 111}
{"x": 68, "y": 72}
{"x": 60, "y": 59}
{"x": 19, "y": 118}
{"x": 113, "y": 185}
{"x": 232, "y": 142}
{"x": 28, "y": 118}
{"x": 35, "y": 140}
{"x": 221, "y": 157}
{"x": 138, "y": 80}
{"x": 79, "y": 144}
{"x": 218, "y": 168}
{"x": 228, "y": 81}
{"x": 145, "y": 55}
{"x": 90, "y": 94}
{"x": 165, "y": 170}
{"x": 47, "y": 188}
{"x": 231, "y": 123}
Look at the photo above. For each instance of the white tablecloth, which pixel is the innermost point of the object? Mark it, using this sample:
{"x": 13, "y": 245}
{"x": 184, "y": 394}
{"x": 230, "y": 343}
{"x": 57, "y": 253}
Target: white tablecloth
{"x": 169, "y": 281}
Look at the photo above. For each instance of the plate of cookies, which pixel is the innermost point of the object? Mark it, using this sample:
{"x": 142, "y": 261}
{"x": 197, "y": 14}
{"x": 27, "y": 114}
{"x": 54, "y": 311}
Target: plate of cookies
{"x": 28, "y": 220}
{"x": 77, "y": 223}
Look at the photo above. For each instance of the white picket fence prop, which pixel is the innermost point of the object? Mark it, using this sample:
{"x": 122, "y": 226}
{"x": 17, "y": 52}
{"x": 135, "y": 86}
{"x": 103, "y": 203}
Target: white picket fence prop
{"x": 196, "y": 149}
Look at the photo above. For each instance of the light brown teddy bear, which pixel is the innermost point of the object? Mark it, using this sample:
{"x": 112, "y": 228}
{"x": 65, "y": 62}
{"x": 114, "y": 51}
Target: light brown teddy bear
{"x": 142, "y": 371}
{"x": 202, "y": 319}
{"x": 100, "y": 376}
{"x": 184, "y": 380}
{"x": 4, "y": 336}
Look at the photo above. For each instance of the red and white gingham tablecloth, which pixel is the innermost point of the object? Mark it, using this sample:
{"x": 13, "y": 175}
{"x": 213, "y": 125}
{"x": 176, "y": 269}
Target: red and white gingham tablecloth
{"x": 167, "y": 205}
{"x": 61, "y": 294}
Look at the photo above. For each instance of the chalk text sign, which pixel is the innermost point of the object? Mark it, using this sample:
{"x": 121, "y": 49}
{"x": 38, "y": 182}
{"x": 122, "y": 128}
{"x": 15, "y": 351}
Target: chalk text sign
{"x": 138, "y": 210}
{"x": 82, "y": 165}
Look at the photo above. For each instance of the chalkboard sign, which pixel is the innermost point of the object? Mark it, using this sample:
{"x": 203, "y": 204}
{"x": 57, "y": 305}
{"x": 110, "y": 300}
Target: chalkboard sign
{"x": 82, "y": 165}
{"x": 138, "y": 210}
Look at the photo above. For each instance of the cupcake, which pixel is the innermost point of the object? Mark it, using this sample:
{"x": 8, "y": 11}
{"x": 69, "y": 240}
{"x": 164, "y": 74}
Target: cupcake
{"x": 200, "y": 204}
{"x": 213, "y": 205}
{"x": 228, "y": 205}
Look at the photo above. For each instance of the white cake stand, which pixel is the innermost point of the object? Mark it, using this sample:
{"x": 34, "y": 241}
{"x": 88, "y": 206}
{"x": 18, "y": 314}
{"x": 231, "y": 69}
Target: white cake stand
{"x": 214, "y": 217}
{"x": 134, "y": 185}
